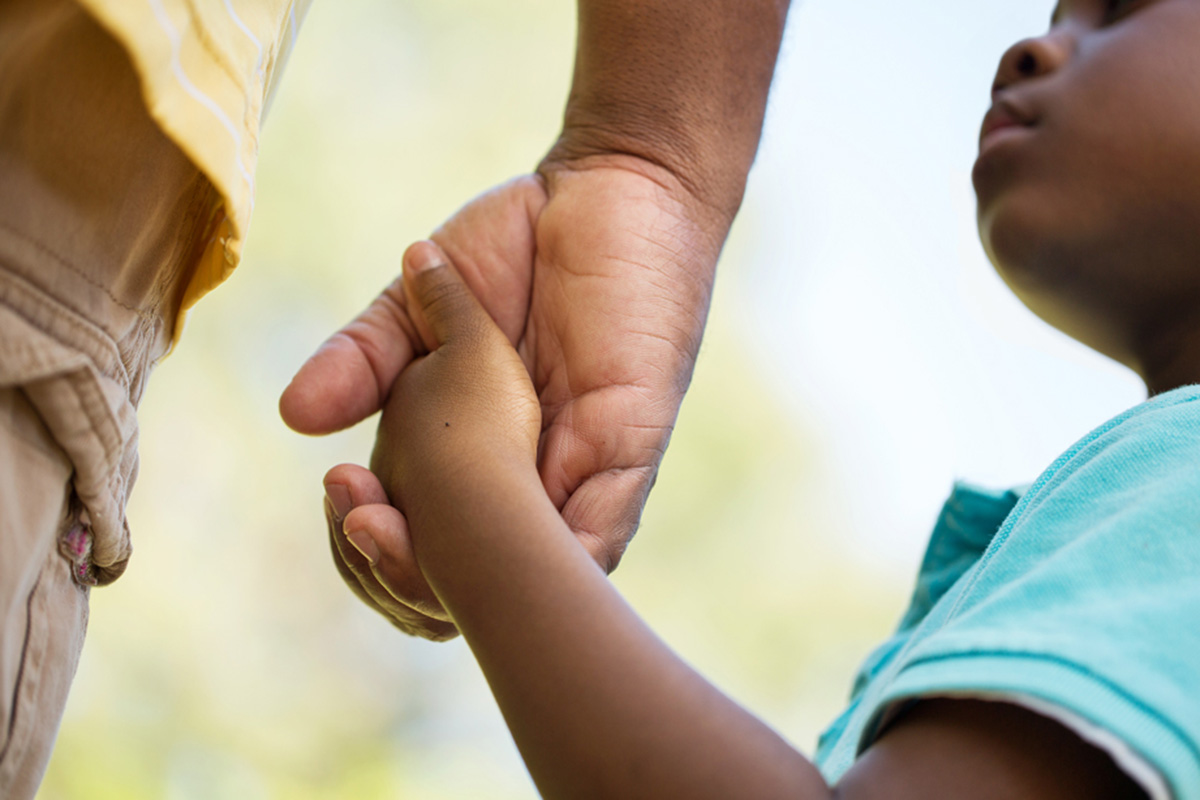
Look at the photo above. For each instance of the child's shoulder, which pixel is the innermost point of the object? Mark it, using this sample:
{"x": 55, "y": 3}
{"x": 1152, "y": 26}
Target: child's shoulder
{"x": 1084, "y": 597}
{"x": 1151, "y": 446}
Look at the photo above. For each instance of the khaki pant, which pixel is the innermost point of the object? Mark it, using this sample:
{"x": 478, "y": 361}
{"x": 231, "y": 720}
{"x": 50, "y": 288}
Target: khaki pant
{"x": 102, "y": 220}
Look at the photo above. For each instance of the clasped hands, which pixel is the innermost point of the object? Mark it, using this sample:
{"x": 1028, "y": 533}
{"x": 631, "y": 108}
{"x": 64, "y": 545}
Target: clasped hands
{"x": 599, "y": 275}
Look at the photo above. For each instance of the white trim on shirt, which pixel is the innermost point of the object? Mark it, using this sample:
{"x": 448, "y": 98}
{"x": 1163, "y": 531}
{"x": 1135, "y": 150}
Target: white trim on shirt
{"x": 1126, "y": 758}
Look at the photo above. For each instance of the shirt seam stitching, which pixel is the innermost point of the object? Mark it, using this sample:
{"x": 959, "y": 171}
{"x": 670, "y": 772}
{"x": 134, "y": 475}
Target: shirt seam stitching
{"x": 48, "y": 251}
{"x": 12, "y": 720}
{"x": 100, "y": 348}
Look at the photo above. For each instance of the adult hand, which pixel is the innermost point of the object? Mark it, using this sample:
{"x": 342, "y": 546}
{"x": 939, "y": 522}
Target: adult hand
{"x": 599, "y": 270}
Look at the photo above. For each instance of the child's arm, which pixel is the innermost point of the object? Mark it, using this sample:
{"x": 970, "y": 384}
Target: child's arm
{"x": 598, "y": 706}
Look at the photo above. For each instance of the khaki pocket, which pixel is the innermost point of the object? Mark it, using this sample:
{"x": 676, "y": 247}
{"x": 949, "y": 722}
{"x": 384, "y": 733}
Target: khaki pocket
{"x": 89, "y": 416}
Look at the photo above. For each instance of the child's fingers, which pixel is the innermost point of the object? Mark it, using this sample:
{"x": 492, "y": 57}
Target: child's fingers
{"x": 347, "y": 487}
{"x": 442, "y": 306}
{"x": 381, "y": 533}
{"x": 356, "y": 572}
{"x": 406, "y": 619}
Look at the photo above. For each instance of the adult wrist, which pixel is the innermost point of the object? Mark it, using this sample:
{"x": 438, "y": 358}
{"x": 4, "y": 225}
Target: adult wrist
{"x": 682, "y": 162}
{"x": 681, "y": 85}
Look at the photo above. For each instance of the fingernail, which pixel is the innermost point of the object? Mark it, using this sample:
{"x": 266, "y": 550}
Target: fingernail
{"x": 364, "y": 544}
{"x": 339, "y": 499}
{"x": 424, "y": 258}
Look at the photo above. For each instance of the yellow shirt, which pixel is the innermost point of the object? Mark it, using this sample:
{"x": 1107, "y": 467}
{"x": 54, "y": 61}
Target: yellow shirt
{"x": 208, "y": 69}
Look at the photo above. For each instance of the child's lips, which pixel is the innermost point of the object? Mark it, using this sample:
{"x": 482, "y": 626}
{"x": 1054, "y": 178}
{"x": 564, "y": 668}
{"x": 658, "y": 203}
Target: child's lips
{"x": 1000, "y": 117}
{"x": 1005, "y": 124}
{"x": 1000, "y": 134}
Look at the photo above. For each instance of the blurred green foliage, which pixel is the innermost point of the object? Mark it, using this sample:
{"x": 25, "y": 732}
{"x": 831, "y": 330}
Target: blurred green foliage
{"x": 230, "y": 661}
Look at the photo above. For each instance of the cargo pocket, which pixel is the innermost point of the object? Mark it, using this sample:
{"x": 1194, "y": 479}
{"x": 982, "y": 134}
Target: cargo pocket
{"x": 90, "y": 417}
{"x": 67, "y": 458}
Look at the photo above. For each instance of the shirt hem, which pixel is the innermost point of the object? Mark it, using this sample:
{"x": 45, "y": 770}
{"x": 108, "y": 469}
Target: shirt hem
{"x": 1061, "y": 684}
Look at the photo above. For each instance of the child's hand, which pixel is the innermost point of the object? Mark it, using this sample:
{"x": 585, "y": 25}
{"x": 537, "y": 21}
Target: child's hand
{"x": 455, "y": 423}
{"x": 467, "y": 411}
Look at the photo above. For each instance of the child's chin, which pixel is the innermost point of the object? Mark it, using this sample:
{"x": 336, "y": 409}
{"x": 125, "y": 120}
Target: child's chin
{"x": 1032, "y": 235}
{"x": 1011, "y": 238}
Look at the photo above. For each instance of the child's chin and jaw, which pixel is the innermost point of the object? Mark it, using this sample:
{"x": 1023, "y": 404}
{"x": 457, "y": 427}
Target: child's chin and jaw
{"x": 1093, "y": 218}
{"x": 1112, "y": 269}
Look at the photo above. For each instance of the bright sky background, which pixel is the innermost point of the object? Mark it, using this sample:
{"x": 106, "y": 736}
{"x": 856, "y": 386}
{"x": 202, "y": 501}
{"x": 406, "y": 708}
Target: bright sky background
{"x": 872, "y": 304}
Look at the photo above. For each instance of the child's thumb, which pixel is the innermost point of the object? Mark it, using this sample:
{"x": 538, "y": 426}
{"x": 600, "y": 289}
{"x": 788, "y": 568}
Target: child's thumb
{"x": 445, "y": 308}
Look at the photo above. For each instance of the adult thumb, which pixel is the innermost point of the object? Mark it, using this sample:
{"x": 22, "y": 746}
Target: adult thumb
{"x": 441, "y": 305}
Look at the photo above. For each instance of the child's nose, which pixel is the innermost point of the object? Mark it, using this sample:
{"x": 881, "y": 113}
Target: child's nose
{"x": 1032, "y": 58}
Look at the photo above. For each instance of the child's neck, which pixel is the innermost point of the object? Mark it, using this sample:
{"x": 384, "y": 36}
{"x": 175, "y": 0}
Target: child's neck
{"x": 1171, "y": 358}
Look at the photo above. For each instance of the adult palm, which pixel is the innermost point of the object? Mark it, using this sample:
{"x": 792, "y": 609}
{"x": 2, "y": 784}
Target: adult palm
{"x": 600, "y": 274}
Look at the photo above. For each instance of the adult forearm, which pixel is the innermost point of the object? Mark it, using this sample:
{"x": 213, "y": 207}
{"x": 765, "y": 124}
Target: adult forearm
{"x": 679, "y": 83}
{"x": 598, "y": 706}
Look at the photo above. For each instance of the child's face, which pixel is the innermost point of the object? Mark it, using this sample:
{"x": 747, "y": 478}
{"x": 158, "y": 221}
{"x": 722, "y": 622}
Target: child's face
{"x": 1090, "y": 206}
